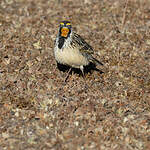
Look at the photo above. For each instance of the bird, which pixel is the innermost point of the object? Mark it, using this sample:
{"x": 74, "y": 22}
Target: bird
{"x": 72, "y": 50}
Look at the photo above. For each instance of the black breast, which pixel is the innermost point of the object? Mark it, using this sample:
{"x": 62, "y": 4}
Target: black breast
{"x": 61, "y": 42}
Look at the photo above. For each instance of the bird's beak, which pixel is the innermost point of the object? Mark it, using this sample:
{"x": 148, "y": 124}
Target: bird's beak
{"x": 64, "y": 32}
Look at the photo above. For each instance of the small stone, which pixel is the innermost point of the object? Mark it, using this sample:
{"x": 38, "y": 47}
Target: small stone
{"x": 5, "y": 135}
{"x": 76, "y": 123}
{"x": 37, "y": 45}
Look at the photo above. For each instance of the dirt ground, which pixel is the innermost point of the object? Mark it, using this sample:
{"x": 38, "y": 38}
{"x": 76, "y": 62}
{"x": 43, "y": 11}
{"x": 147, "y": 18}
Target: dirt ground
{"x": 110, "y": 111}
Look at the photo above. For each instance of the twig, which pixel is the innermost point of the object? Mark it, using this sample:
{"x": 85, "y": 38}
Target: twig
{"x": 124, "y": 13}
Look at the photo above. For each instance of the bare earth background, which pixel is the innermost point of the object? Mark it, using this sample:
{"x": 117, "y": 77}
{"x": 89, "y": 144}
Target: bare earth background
{"x": 38, "y": 111}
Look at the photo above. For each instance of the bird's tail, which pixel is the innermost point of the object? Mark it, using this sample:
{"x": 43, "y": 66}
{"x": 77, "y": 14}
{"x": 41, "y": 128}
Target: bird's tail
{"x": 96, "y": 61}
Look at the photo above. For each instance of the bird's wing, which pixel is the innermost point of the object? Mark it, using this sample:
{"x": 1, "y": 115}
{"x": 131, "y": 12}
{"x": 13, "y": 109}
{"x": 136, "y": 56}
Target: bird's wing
{"x": 83, "y": 46}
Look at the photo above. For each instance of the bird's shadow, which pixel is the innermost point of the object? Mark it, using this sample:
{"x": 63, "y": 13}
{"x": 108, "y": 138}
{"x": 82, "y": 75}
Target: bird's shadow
{"x": 87, "y": 69}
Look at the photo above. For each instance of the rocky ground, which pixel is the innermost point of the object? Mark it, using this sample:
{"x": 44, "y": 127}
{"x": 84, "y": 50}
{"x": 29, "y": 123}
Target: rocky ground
{"x": 39, "y": 111}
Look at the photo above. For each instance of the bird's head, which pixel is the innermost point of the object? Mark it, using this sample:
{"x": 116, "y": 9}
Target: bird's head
{"x": 65, "y": 29}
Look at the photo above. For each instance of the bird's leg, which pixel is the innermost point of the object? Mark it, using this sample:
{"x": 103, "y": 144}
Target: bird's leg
{"x": 82, "y": 70}
{"x": 83, "y": 74}
{"x": 67, "y": 75}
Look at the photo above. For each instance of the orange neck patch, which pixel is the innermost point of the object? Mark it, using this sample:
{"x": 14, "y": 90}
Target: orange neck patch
{"x": 64, "y": 32}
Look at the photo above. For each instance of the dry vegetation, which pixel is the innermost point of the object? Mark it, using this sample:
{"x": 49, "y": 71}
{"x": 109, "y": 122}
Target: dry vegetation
{"x": 38, "y": 111}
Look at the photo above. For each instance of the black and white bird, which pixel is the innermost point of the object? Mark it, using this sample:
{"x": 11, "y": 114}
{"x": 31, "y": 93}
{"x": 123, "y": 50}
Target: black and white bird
{"x": 71, "y": 49}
